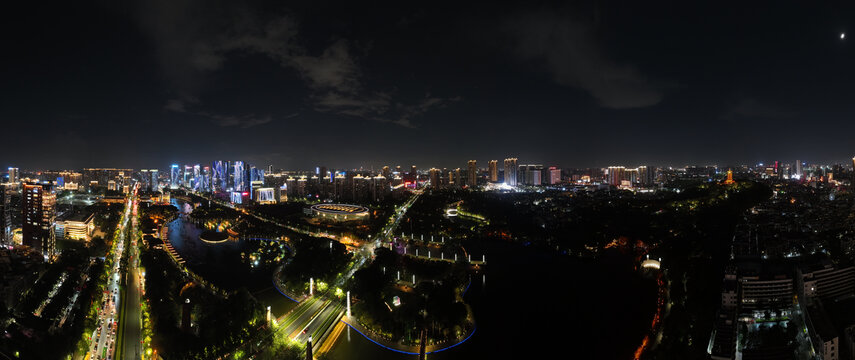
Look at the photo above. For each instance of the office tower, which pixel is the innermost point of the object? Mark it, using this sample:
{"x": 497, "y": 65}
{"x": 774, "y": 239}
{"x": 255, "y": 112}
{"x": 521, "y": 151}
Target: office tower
{"x": 386, "y": 171}
{"x": 616, "y": 174}
{"x": 511, "y": 171}
{"x": 38, "y": 205}
{"x": 5, "y": 213}
{"x": 270, "y": 169}
{"x": 219, "y": 179}
{"x": 155, "y": 180}
{"x": 413, "y": 171}
{"x": 174, "y": 176}
{"x": 472, "y": 181}
{"x": 206, "y": 179}
{"x": 799, "y": 168}
{"x": 434, "y": 178}
{"x": 494, "y": 170}
{"x": 241, "y": 182}
{"x": 554, "y": 175}
{"x": 398, "y": 170}
{"x": 145, "y": 180}
{"x": 321, "y": 172}
{"x": 187, "y": 179}
{"x": 13, "y": 175}
{"x": 196, "y": 178}
{"x": 256, "y": 174}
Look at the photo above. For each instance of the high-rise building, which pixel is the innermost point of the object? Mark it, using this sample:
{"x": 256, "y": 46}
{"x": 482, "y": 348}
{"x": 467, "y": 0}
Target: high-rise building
{"x": 379, "y": 188}
{"x": 530, "y": 174}
{"x": 188, "y": 176}
{"x": 554, "y": 175}
{"x": 458, "y": 181}
{"x": 798, "y": 168}
{"x": 206, "y": 179}
{"x": 219, "y": 178}
{"x": 413, "y": 171}
{"x": 494, "y": 170}
{"x": 434, "y": 178}
{"x": 616, "y": 174}
{"x": 145, "y": 180}
{"x": 197, "y": 178}
{"x": 38, "y": 205}
{"x": 155, "y": 180}
{"x": 241, "y": 181}
{"x": 511, "y": 171}
{"x": 472, "y": 180}
{"x": 13, "y": 175}
{"x": 646, "y": 175}
{"x": 174, "y": 176}
{"x": 5, "y": 214}
{"x": 387, "y": 172}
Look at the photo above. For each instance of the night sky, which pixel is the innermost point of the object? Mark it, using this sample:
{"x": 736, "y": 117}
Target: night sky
{"x": 582, "y": 84}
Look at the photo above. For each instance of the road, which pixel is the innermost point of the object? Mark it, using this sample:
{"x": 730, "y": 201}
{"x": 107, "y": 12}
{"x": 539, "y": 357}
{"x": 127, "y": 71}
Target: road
{"x": 103, "y": 344}
{"x": 311, "y": 318}
{"x": 131, "y": 321}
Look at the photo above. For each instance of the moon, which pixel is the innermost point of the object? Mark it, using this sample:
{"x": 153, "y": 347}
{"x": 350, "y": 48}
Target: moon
{"x": 842, "y": 36}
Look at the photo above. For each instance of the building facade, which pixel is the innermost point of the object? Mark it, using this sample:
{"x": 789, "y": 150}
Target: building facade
{"x": 38, "y": 204}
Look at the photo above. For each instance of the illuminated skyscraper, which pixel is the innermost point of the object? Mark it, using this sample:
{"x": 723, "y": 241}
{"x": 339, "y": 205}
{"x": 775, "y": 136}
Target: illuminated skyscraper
{"x": 241, "y": 181}
{"x": 174, "y": 176}
{"x": 197, "y": 178}
{"x": 554, "y": 175}
{"x": 387, "y": 172}
{"x": 458, "y": 182}
{"x": 155, "y": 179}
{"x": 494, "y": 170}
{"x": 616, "y": 174}
{"x": 511, "y": 171}
{"x": 13, "y": 175}
{"x": 646, "y": 175}
{"x": 38, "y": 205}
{"x": 145, "y": 180}
{"x": 219, "y": 180}
{"x": 434, "y": 178}
{"x": 206, "y": 179}
{"x": 5, "y": 214}
{"x": 188, "y": 176}
{"x": 798, "y": 168}
{"x": 472, "y": 180}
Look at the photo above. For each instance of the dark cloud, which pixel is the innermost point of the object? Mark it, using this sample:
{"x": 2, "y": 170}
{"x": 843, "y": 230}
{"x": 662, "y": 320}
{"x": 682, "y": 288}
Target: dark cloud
{"x": 333, "y": 76}
{"x": 244, "y": 121}
{"x": 569, "y": 51}
{"x": 752, "y": 108}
